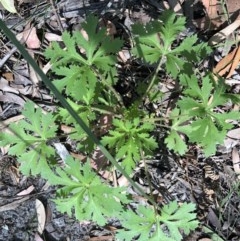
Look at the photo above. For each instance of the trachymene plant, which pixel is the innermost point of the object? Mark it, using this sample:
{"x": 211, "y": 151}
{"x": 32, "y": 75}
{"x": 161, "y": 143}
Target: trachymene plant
{"x": 85, "y": 72}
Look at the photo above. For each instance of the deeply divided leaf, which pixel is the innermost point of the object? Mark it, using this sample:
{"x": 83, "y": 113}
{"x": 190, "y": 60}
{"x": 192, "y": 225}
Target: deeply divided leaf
{"x": 128, "y": 139}
{"x": 89, "y": 56}
{"x": 29, "y": 140}
{"x": 145, "y": 224}
{"x": 82, "y": 192}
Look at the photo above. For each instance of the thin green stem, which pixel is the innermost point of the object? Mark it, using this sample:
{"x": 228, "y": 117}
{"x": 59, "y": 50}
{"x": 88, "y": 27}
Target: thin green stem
{"x": 116, "y": 94}
{"x": 103, "y": 111}
{"x": 151, "y": 84}
{"x": 148, "y": 180}
{"x": 146, "y": 119}
{"x": 110, "y": 87}
{"x": 225, "y": 10}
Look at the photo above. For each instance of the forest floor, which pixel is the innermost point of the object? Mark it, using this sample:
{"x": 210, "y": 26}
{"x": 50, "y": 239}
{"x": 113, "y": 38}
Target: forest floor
{"x": 24, "y": 199}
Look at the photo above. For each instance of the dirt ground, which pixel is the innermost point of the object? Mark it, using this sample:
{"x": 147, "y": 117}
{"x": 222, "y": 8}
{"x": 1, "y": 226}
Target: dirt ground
{"x": 185, "y": 178}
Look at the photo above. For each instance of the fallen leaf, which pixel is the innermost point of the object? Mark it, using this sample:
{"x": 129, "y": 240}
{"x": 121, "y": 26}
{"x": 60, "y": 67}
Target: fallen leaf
{"x": 62, "y": 152}
{"x": 124, "y": 55}
{"x": 37, "y": 237}
{"x": 213, "y": 219}
{"x": 122, "y": 181}
{"x": 26, "y": 191}
{"x": 228, "y": 64}
{"x": 205, "y": 239}
{"x": 8, "y": 76}
{"x": 53, "y": 37}
{"x": 236, "y": 161}
{"x": 215, "y": 12}
{"x": 232, "y": 138}
{"x": 175, "y": 5}
{"x": 211, "y": 8}
{"x": 13, "y": 205}
{"x": 41, "y": 215}
{"x": 12, "y": 98}
{"x": 4, "y": 86}
{"x": 234, "y": 134}
{"x": 34, "y": 77}
{"x": 221, "y": 35}
{"x": 29, "y": 36}
{"x": 9, "y": 5}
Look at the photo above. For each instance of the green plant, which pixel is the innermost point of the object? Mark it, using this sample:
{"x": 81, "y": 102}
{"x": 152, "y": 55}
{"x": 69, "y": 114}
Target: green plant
{"x": 83, "y": 191}
{"x": 154, "y": 44}
{"x": 86, "y": 74}
{"x": 29, "y": 140}
{"x": 149, "y": 225}
{"x": 82, "y": 71}
{"x": 128, "y": 138}
{"x": 196, "y": 115}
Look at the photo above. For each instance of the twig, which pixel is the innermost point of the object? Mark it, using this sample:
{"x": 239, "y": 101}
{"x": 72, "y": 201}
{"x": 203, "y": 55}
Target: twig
{"x": 57, "y": 16}
{"x": 7, "y": 56}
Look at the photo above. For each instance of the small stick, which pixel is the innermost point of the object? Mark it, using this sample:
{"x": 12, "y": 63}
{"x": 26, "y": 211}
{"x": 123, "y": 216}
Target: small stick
{"x": 57, "y": 16}
{"x": 7, "y": 56}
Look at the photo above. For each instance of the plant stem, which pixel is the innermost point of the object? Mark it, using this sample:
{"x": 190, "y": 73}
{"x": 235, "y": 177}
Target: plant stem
{"x": 103, "y": 111}
{"x": 148, "y": 180}
{"x": 116, "y": 94}
{"x": 160, "y": 62}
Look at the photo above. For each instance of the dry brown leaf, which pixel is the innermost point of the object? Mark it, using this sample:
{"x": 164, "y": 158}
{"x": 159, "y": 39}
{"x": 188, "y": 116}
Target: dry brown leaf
{"x": 111, "y": 29}
{"x": 4, "y": 124}
{"x": 4, "y": 86}
{"x": 37, "y": 237}
{"x": 124, "y": 55}
{"x": 53, "y": 37}
{"x": 175, "y": 5}
{"x": 29, "y": 36}
{"x": 8, "y": 76}
{"x": 213, "y": 219}
{"x": 26, "y": 191}
{"x": 216, "y": 13}
{"x": 232, "y": 138}
{"x": 41, "y": 215}
{"x": 235, "y": 63}
{"x": 234, "y": 134}
{"x": 32, "y": 41}
{"x": 236, "y": 161}
{"x": 66, "y": 129}
{"x": 13, "y": 205}
{"x": 33, "y": 75}
{"x": 123, "y": 181}
{"x": 212, "y": 19}
{"x": 221, "y": 35}
{"x": 211, "y": 8}
{"x": 228, "y": 64}
{"x": 12, "y": 98}
{"x": 102, "y": 238}
{"x": 233, "y": 6}
{"x": 78, "y": 156}
{"x": 205, "y": 239}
